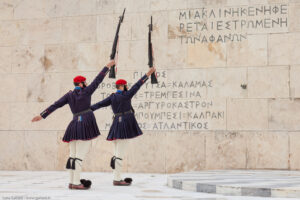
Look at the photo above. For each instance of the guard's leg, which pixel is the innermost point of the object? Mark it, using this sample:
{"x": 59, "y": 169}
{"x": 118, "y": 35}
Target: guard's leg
{"x": 120, "y": 150}
{"x": 72, "y": 147}
{"x": 82, "y": 148}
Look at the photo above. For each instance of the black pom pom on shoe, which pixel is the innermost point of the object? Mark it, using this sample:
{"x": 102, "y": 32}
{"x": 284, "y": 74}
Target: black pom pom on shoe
{"x": 86, "y": 183}
{"x": 128, "y": 180}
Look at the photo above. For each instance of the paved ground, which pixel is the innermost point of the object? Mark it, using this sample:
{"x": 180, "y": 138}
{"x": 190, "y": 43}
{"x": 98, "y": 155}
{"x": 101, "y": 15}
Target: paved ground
{"x": 265, "y": 183}
{"x": 53, "y": 185}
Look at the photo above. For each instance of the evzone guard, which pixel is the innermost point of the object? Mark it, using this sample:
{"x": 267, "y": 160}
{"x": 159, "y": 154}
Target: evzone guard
{"x": 83, "y": 128}
{"x": 124, "y": 125}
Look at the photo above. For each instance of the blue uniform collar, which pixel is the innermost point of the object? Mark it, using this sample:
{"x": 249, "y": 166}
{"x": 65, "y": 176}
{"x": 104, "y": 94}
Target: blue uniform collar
{"x": 119, "y": 91}
{"x": 77, "y": 88}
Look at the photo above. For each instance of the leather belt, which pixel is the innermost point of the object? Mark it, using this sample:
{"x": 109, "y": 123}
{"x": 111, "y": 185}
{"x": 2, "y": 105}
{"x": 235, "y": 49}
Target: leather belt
{"x": 123, "y": 113}
{"x": 82, "y": 112}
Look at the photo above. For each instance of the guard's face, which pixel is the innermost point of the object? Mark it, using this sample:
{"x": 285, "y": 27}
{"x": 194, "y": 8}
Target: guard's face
{"x": 83, "y": 84}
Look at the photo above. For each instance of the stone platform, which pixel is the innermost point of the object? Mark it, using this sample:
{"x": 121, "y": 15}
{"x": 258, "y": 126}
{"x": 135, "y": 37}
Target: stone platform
{"x": 52, "y": 185}
{"x": 265, "y": 183}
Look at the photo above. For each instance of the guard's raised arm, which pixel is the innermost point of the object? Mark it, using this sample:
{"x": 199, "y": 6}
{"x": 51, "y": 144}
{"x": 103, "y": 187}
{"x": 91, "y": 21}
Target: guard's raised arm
{"x": 133, "y": 90}
{"x": 99, "y": 78}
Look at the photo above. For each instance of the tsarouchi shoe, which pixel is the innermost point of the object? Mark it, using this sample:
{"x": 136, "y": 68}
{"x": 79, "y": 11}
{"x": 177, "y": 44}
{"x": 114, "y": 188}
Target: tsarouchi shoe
{"x": 121, "y": 183}
{"x": 79, "y": 187}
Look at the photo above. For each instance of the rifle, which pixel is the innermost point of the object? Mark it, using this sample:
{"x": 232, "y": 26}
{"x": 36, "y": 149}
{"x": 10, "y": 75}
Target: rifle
{"x": 112, "y": 72}
{"x": 150, "y": 56}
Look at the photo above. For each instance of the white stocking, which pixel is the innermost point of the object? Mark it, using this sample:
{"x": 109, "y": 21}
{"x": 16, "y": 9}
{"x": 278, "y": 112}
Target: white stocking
{"x": 120, "y": 148}
{"x": 82, "y": 148}
{"x": 72, "y": 146}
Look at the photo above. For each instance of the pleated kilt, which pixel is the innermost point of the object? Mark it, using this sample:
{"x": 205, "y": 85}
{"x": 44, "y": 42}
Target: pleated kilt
{"x": 124, "y": 127}
{"x": 83, "y": 127}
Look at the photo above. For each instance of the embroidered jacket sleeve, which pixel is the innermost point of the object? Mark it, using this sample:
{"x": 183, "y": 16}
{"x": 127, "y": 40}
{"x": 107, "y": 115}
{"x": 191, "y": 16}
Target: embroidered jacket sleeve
{"x": 95, "y": 83}
{"x": 59, "y": 103}
{"x": 133, "y": 90}
{"x": 104, "y": 103}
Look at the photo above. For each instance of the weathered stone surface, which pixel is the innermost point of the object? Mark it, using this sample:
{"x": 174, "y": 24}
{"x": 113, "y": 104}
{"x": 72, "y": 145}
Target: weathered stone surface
{"x": 294, "y": 150}
{"x": 88, "y": 7}
{"x": 294, "y": 81}
{"x": 40, "y": 31}
{"x": 106, "y": 27}
{"x": 6, "y": 9}
{"x": 39, "y": 89}
{"x": 174, "y": 4}
{"x": 294, "y": 17}
{"x": 5, "y": 59}
{"x": 269, "y": 1}
{"x": 79, "y": 29}
{"x": 40, "y": 149}
{"x": 17, "y": 119}
{"x": 14, "y": 91}
{"x": 28, "y": 9}
{"x": 12, "y": 150}
{"x": 5, "y": 117}
{"x": 28, "y": 59}
{"x": 133, "y": 54}
{"x": 160, "y": 26}
{"x": 206, "y": 55}
{"x": 91, "y": 57}
{"x": 283, "y": 49}
{"x": 105, "y": 6}
{"x": 166, "y": 54}
{"x": 247, "y": 114}
{"x": 269, "y": 82}
{"x": 140, "y": 27}
{"x": 200, "y": 3}
{"x": 174, "y": 25}
{"x": 282, "y": 114}
{"x": 61, "y": 58}
{"x": 156, "y": 5}
{"x": 132, "y": 6}
{"x": 250, "y": 52}
{"x": 154, "y": 146}
{"x": 195, "y": 157}
{"x": 226, "y": 82}
{"x": 261, "y": 153}
{"x": 57, "y": 8}
{"x": 10, "y": 33}
{"x": 225, "y": 150}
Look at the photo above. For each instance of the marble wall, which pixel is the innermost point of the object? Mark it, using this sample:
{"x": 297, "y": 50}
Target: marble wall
{"x": 228, "y": 93}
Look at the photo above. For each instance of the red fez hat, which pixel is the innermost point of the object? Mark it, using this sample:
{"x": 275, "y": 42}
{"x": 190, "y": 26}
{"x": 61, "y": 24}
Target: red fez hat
{"x": 121, "y": 82}
{"x": 79, "y": 79}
